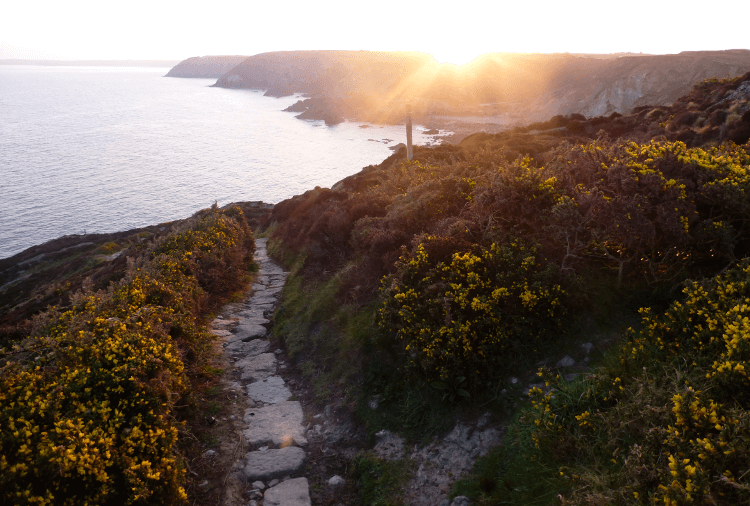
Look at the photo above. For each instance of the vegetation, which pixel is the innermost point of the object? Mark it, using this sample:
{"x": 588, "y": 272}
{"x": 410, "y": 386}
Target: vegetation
{"x": 424, "y": 285}
{"x": 466, "y": 264}
{"x": 89, "y": 397}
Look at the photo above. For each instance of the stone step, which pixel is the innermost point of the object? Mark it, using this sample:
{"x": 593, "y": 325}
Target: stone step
{"x": 257, "y": 368}
{"x": 269, "y": 391}
{"x": 269, "y": 464}
{"x": 248, "y": 349}
{"x": 247, "y": 332}
{"x": 294, "y": 492}
{"x": 277, "y": 424}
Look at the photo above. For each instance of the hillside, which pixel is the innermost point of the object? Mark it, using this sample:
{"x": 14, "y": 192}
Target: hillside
{"x": 497, "y": 88}
{"x": 205, "y": 66}
{"x": 439, "y": 286}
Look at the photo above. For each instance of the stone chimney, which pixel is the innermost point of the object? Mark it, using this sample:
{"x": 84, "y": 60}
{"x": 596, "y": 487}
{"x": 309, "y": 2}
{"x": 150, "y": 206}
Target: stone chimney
{"x": 409, "y": 153}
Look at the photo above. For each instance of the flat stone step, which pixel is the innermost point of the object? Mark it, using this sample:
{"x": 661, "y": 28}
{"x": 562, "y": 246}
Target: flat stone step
{"x": 252, "y": 318}
{"x": 221, "y": 333}
{"x": 246, "y": 332}
{"x": 294, "y": 492}
{"x": 278, "y": 424}
{"x": 263, "y": 298}
{"x": 270, "y": 391}
{"x": 258, "y": 368}
{"x": 248, "y": 349}
{"x": 270, "y": 464}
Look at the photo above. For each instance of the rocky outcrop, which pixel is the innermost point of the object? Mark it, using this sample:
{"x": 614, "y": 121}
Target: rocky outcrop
{"x": 385, "y": 87}
{"x": 205, "y": 66}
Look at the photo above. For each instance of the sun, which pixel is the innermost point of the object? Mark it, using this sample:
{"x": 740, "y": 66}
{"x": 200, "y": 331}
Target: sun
{"x": 455, "y": 55}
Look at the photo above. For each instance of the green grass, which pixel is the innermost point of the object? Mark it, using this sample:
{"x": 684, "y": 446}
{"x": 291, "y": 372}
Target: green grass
{"x": 380, "y": 481}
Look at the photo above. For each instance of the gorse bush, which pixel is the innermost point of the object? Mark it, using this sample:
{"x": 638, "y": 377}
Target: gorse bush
{"x": 473, "y": 314}
{"x": 668, "y": 422}
{"x": 88, "y": 399}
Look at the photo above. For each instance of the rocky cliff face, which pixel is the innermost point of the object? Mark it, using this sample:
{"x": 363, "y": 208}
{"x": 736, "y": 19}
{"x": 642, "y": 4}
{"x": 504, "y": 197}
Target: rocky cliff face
{"x": 372, "y": 86}
{"x": 205, "y": 66}
{"x": 625, "y": 83}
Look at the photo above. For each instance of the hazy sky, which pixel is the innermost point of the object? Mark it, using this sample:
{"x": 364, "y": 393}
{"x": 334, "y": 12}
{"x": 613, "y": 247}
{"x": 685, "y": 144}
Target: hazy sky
{"x": 454, "y": 32}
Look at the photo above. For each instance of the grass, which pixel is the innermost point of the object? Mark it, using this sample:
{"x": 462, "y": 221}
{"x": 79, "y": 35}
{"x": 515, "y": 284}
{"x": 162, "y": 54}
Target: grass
{"x": 380, "y": 481}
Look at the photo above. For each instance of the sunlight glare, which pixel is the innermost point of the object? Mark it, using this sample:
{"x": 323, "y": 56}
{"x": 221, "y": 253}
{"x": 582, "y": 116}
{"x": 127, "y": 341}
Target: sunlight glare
{"x": 456, "y": 55}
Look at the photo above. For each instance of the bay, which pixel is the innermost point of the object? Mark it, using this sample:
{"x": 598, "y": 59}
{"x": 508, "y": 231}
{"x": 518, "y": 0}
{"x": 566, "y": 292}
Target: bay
{"x": 102, "y": 149}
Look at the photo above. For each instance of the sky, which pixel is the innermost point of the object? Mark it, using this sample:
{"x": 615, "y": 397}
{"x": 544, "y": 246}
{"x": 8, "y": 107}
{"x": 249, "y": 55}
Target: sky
{"x": 454, "y": 32}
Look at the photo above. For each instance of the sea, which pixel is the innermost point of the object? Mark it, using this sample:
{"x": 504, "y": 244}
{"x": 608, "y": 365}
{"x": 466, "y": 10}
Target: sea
{"x": 105, "y": 149}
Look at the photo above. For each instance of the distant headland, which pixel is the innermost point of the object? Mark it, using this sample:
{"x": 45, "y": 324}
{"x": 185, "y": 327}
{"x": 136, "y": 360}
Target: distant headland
{"x": 206, "y": 66}
{"x": 494, "y": 92}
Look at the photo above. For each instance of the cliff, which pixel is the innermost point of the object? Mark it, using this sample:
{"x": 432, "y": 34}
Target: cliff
{"x": 496, "y": 88}
{"x": 205, "y": 66}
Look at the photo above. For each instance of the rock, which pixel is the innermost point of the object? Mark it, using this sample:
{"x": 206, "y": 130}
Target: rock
{"x": 335, "y": 481}
{"x": 460, "y": 500}
{"x": 431, "y": 131}
{"x": 221, "y": 333}
{"x": 566, "y": 361}
{"x": 258, "y": 368}
{"x": 587, "y": 347}
{"x": 256, "y": 494}
{"x": 397, "y": 146}
{"x": 252, "y": 318}
{"x": 513, "y": 380}
{"x": 390, "y": 446}
{"x": 270, "y": 391}
{"x": 279, "y": 424}
{"x": 374, "y": 402}
{"x": 263, "y": 465}
{"x": 248, "y": 349}
{"x": 209, "y": 453}
{"x": 252, "y": 502}
{"x": 272, "y": 483}
{"x": 203, "y": 484}
{"x": 293, "y": 492}
{"x": 258, "y": 484}
{"x": 246, "y": 332}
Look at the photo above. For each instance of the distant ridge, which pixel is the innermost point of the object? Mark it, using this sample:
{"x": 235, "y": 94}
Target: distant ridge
{"x": 500, "y": 88}
{"x": 90, "y": 63}
{"x": 205, "y": 66}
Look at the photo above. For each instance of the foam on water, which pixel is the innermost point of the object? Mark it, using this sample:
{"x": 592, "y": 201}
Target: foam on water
{"x": 107, "y": 149}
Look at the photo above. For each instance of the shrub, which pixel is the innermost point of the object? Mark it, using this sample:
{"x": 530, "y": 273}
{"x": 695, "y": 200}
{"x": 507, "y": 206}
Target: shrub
{"x": 87, "y": 398}
{"x": 473, "y": 314}
{"x": 668, "y": 422}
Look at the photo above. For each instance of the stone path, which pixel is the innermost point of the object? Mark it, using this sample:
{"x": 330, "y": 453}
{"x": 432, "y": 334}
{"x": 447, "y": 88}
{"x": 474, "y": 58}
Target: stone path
{"x": 272, "y": 427}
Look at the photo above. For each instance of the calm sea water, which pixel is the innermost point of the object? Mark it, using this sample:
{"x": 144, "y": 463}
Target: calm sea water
{"x": 108, "y": 149}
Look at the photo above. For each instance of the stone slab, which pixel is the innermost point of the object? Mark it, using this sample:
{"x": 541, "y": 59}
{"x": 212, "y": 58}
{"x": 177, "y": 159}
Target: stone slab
{"x": 263, "y": 298}
{"x": 294, "y": 492}
{"x": 248, "y": 349}
{"x": 252, "y": 318}
{"x": 258, "y": 367}
{"x": 279, "y": 424}
{"x": 269, "y": 464}
{"x": 246, "y": 332}
{"x": 269, "y": 391}
{"x": 221, "y": 333}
